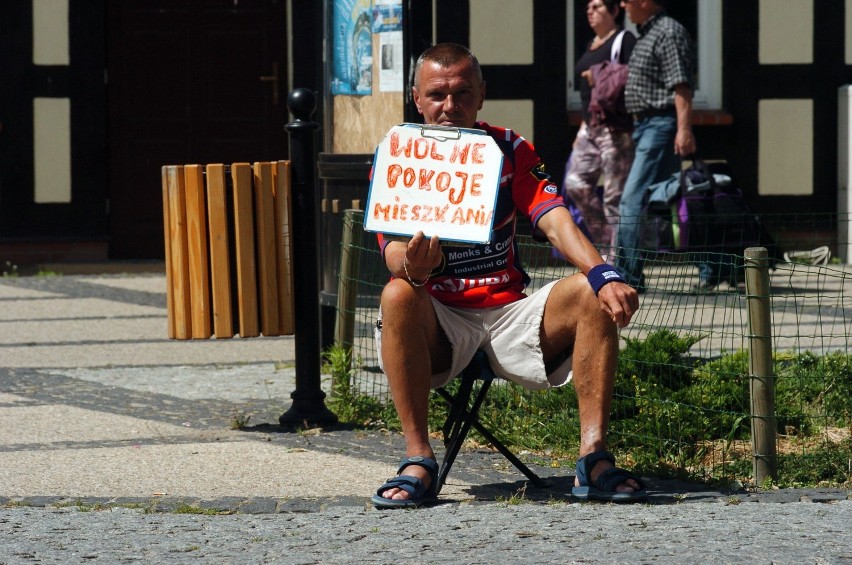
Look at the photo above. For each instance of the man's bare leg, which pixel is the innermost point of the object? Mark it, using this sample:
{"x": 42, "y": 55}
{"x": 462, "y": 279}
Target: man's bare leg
{"x": 573, "y": 316}
{"x": 412, "y": 345}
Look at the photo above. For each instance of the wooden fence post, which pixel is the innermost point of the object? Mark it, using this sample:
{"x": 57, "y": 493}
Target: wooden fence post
{"x": 245, "y": 250}
{"x": 350, "y": 265}
{"x": 196, "y": 229}
{"x": 178, "y": 248}
{"x": 761, "y": 376}
{"x": 283, "y": 221}
{"x": 267, "y": 250}
{"x": 220, "y": 254}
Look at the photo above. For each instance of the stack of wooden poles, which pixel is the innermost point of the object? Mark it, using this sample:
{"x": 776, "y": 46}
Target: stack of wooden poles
{"x": 228, "y": 250}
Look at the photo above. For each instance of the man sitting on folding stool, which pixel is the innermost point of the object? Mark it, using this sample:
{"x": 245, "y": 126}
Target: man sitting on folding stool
{"x": 442, "y": 306}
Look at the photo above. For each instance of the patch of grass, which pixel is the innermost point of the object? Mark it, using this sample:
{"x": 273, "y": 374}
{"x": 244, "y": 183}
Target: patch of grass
{"x": 673, "y": 416}
{"x": 184, "y": 508}
{"x": 824, "y": 465}
{"x": 517, "y": 497}
{"x": 81, "y": 506}
{"x": 146, "y": 508}
{"x": 239, "y": 419}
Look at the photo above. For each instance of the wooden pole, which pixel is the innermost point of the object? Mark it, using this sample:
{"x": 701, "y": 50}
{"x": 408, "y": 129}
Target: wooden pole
{"x": 245, "y": 250}
{"x": 179, "y": 252}
{"x": 347, "y": 285}
{"x": 170, "y": 293}
{"x": 761, "y": 377}
{"x": 220, "y": 261}
{"x": 267, "y": 251}
{"x": 284, "y": 244}
{"x": 196, "y": 228}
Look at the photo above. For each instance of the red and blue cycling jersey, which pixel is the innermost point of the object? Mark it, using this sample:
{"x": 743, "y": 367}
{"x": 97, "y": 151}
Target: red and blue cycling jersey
{"x": 491, "y": 274}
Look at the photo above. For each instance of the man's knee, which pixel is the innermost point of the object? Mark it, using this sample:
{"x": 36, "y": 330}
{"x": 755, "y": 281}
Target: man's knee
{"x": 398, "y": 293}
{"x": 574, "y": 295}
{"x": 401, "y": 301}
{"x": 585, "y": 302}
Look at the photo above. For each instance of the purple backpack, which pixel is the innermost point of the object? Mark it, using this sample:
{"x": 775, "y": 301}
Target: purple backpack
{"x": 607, "y": 103}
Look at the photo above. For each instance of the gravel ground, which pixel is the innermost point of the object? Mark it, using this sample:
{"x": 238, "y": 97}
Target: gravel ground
{"x": 116, "y": 447}
{"x": 460, "y": 533}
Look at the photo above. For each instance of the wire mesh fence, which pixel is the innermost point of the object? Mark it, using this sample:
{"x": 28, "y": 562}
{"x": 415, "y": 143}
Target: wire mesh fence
{"x": 682, "y": 396}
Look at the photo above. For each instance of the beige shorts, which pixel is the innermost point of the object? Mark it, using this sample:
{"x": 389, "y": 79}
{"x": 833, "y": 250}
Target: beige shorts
{"x": 510, "y": 336}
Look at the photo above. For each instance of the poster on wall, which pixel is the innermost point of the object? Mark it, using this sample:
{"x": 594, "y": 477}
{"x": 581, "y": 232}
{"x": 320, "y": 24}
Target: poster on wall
{"x": 352, "y": 40}
{"x": 387, "y": 24}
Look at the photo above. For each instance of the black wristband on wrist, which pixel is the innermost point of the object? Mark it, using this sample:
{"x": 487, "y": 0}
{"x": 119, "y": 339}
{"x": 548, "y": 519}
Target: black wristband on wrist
{"x": 601, "y": 275}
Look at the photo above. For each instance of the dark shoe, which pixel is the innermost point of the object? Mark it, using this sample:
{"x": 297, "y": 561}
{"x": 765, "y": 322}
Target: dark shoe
{"x": 417, "y": 491}
{"x": 603, "y": 488}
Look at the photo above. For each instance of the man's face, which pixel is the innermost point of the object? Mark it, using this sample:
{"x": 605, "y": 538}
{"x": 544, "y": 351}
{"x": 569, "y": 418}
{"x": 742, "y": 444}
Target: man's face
{"x": 449, "y": 96}
{"x": 637, "y": 10}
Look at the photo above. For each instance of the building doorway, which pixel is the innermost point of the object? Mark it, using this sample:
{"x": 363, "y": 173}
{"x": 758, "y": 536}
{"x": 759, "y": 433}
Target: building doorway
{"x": 196, "y": 81}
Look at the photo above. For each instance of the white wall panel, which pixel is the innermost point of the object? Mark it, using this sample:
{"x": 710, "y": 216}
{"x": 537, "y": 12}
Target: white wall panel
{"x": 847, "y": 32}
{"x": 52, "y": 133}
{"x": 786, "y": 152}
{"x": 501, "y": 31}
{"x": 50, "y": 32}
{"x": 786, "y": 32}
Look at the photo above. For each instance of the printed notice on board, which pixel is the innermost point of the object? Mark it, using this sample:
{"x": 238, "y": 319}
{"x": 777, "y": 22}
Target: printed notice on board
{"x": 439, "y": 180}
{"x": 387, "y": 24}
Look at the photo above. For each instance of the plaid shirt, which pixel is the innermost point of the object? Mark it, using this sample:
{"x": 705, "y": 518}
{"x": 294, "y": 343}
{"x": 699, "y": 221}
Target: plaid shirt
{"x": 662, "y": 58}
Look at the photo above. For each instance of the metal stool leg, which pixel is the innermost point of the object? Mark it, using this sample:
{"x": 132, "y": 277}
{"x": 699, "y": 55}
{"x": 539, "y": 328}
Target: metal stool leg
{"x": 462, "y": 418}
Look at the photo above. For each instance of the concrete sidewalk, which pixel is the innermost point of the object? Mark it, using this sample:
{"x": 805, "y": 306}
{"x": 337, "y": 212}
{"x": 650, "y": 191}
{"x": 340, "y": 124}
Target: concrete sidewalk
{"x": 96, "y": 402}
{"x": 99, "y": 410}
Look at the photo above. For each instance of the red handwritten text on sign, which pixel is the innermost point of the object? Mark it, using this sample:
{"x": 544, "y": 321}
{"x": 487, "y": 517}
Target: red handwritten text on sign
{"x": 445, "y": 187}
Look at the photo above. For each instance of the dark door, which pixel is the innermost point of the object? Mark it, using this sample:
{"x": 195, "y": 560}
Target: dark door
{"x": 195, "y": 81}
{"x": 80, "y": 82}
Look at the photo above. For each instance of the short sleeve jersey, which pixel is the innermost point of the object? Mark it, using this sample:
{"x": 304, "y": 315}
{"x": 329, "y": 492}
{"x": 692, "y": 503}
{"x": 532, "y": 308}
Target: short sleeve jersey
{"x": 662, "y": 58}
{"x": 490, "y": 274}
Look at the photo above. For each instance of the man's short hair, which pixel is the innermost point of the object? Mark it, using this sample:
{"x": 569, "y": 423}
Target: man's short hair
{"x": 446, "y": 55}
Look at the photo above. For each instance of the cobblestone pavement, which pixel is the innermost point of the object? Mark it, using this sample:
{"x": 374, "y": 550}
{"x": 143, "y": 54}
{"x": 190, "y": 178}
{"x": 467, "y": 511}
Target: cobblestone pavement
{"x": 117, "y": 446}
{"x": 466, "y": 533}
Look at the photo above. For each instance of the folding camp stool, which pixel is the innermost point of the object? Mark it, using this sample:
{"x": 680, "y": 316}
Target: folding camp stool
{"x": 464, "y": 415}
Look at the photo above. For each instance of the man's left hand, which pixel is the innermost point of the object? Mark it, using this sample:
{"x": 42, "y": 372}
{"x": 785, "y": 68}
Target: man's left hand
{"x": 684, "y": 142}
{"x": 619, "y": 301}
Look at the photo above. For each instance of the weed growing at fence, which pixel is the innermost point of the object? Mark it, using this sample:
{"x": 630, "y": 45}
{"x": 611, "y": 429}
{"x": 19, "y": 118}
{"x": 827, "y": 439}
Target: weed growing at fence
{"x": 346, "y": 401}
{"x": 673, "y": 415}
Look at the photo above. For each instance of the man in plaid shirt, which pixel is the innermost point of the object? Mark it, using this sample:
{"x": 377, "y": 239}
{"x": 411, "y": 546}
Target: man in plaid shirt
{"x": 660, "y": 84}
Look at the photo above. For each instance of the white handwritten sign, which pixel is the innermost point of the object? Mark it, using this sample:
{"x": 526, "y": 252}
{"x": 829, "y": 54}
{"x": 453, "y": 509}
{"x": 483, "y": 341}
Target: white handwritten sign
{"x": 437, "y": 179}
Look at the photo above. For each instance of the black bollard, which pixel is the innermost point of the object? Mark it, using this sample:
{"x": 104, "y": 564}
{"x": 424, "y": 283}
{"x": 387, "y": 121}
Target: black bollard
{"x": 308, "y": 409}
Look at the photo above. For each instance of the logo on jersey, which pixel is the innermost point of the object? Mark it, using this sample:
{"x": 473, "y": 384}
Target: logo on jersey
{"x": 539, "y": 173}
